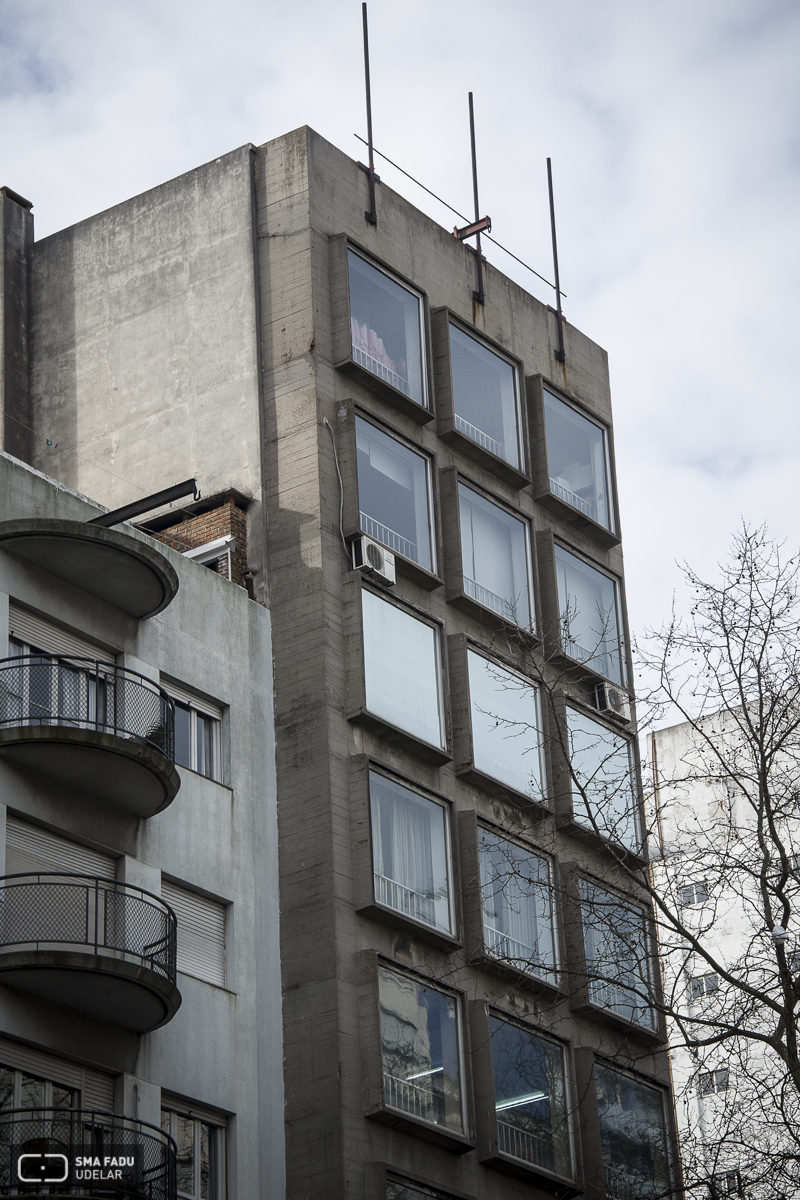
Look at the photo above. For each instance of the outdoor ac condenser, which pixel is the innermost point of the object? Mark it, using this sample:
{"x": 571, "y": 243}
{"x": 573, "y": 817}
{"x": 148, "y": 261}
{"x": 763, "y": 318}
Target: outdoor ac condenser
{"x": 371, "y": 557}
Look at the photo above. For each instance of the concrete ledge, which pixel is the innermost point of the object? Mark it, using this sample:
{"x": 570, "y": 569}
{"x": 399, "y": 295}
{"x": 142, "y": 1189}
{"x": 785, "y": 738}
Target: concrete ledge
{"x": 106, "y": 563}
{"x": 125, "y": 773}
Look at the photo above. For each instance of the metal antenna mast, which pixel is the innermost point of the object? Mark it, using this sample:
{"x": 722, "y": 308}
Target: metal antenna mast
{"x": 560, "y": 355}
{"x": 480, "y": 223}
{"x": 371, "y": 215}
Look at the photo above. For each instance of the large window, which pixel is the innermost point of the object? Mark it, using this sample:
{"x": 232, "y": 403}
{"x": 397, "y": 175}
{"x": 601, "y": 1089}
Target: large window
{"x": 603, "y": 783}
{"x": 517, "y": 895}
{"x": 18, "y": 1089}
{"x": 577, "y": 458}
{"x": 633, "y": 1136}
{"x": 485, "y": 396}
{"x": 421, "y": 1049}
{"x": 394, "y": 494}
{"x": 618, "y": 956}
{"x": 402, "y": 674}
{"x": 201, "y": 1155}
{"x": 410, "y": 853}
{"x": 386, "y": 328}
{"x": 197, "y": 740}
{"x": 588, "y": 608}
{"x": 495, "y": 555}
{"x": 530, "y": 1098}
{"x": 506, "y": 726}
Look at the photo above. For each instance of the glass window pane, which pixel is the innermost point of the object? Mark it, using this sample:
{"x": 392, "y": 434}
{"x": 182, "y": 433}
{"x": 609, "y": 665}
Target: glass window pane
{"x": 393, "y": 494}
{"x": 409, "y": 852}
{"x": 184, "y": 1140}
{"x": 576, "y": 457}
{"x": 604, "y": 783}
{"x": 205, "y": 1162}
{"x": 420, "y": 1047}
{"x": 616, "y": 947}
{"x": 401, "y": 669}
{"x": 530, "y": 1098}
{"x": 495, "y": 557}
{"x": 587, "y": 603}
{"x": 485, "y": 396}
{"x": 6, "y": 1088}
{"x": 183, "y": 735}
{"x": 385, "y": 328}
{"x": 31, "y": 1092}
{"x": 517, "y": 905}
{"x": 633, "y": 1136}
{"x": 62, "y": 1097}
{"x": 205, "y": 745}
{"x": 403, "y": 1191}
{"x": 506, "y": 726}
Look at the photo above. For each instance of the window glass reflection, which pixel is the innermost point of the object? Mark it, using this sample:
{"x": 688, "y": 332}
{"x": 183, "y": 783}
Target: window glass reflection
{"x": 617, "y": 955}
{"x": 633, "y": 1136}
{"x": 577, "y": 460}
{"x": 604, "y": 779}
{"x": 409, "y": 851}
{"x": 495, "y": 557}
{"x": 506, "y": 726}
{"x": 587, "y": 602}
{"x": 517, "y": 905}
{"x": 485, "y": 396}
{"x": 530, "y": 1098}
{"x": 386, "y": 328}
{"x": 393, "y": 494}
{"x": 421, "y": 1051}
{"x": 401, "y": 669}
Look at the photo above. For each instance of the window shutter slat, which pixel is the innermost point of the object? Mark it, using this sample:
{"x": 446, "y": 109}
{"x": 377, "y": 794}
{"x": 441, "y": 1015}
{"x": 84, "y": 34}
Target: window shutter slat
{"x": 96, "y": 1088}
{"x": 29, "y": 848}
{"x": 35, "y": 631}
{"x": 179, "y": 692}
{"x": 201, "y": 933}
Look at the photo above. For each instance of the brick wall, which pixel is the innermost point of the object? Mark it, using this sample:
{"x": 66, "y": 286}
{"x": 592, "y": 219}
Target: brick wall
{"x": 194, "y": 531}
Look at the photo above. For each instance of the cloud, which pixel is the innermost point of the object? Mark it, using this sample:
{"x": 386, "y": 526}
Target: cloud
{"x": 673, "y": 129}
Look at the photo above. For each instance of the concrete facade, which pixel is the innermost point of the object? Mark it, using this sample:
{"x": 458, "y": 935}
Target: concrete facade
{"x": 202, "y": 329}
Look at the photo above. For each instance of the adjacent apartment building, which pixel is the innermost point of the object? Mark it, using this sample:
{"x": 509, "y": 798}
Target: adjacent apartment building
{"x": 427, "y": 498}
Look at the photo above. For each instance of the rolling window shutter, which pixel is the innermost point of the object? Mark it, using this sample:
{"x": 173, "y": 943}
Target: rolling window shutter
{"x": 35, "y": 631}
{"x": 29, "y": 848}
{"x": 201, "y": 933}
{"x": 96, "y": 1088}
{"x": 178, "y": 692}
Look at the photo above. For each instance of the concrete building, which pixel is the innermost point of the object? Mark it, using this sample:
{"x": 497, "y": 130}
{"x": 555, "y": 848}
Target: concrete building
{"x": 431, "y": 522}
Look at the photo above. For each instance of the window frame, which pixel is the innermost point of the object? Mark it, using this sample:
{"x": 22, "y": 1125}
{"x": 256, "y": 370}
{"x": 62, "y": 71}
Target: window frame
{"x": 357, "y": 710}
{"x": 588, "y": 1085}
{"x": 578, "y": 817}
{"x": 619, "y": 612}
{"x": 369, "y": 963}
{"x": 441, "y": 319}
{"x": 340, "y": 246}
{"x": 429, "y": 579}
{"x": 365, "y": 900}
{"x": 197, "y": 710}
{"x": 218, "y": 1156}
{"x": 536, "y": 387}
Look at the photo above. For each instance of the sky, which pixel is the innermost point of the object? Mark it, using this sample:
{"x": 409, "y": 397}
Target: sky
{"x": 674, "y": 131}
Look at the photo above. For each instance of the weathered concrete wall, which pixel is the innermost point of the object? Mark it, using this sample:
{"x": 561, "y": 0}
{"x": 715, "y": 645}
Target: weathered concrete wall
{"x": 224, "y": 1046}
{"x": 16, "y": 236}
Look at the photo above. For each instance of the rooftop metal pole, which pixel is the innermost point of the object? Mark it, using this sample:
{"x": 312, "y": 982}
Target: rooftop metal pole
{"x": 560, "y": 355}
{"x": 479, "y": 294}
{"x": 372, "y": 215}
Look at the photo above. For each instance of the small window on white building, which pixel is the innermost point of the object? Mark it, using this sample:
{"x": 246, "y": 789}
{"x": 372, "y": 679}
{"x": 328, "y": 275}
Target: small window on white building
{"x": 692, "y": 894}
{"x": 703, "y": 985}
{"x": 713, "y": 1081}
{"x": 201, "y": 1143}
{"x": 201, "y": 932}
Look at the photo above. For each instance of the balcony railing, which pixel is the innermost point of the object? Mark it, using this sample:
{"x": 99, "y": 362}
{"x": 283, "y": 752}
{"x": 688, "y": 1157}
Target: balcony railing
{"x": 86, "y": 693}
{"x": 50, "y": 910}
{"x": 565, "y": 493}
{"x": 386, "y": 535}
{"x": 622, "y": 1185}
{"x": 376, "y": 367}
{"x": 526, "y": 1146}
{"x": 489, "y": 599}
{"x": 404, "y": 899}
{"x": 477, "y": 435}
{"x": 42, "y": 1151}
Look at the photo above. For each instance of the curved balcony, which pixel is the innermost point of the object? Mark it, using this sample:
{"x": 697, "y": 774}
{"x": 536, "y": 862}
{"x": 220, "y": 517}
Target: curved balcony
{"x": 92, "y": 726}
{"x": 115, "y": 567}
{"x": 44, "y": 1152}
{"x": 101, "y": 947}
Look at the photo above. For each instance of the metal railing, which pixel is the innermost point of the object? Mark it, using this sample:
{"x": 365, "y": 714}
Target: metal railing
{"x": 44, "y": 1146}
{"x": 49, "y": 909}
{"x": 622, "y": 1185}
{"x": 420, "y": 1100}
{"x": 376, "y": 367}
{"x": 621, "y": 1000}
{"x": 489, "y": 599}
{"x": 86, "y": 693}
{"x": 565, "y": 493}
{"x": 404, "y": 899}
{"x": 529, "y": 1147}
{"x": 477, "y": 435}
{"x": 382, "y": 533}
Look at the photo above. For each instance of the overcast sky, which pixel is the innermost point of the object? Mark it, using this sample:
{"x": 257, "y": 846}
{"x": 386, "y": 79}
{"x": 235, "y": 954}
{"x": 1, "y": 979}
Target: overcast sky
{"x": 673, "y": 129}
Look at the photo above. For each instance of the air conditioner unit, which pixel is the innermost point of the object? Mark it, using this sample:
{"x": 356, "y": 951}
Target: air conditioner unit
{"x": 372, "y": 558}
{"x": 613, "y": 701}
